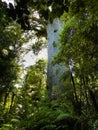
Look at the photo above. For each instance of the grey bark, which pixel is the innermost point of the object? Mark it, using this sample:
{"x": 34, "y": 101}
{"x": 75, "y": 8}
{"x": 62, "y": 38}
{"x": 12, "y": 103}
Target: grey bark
{"x": 54, "y": 71}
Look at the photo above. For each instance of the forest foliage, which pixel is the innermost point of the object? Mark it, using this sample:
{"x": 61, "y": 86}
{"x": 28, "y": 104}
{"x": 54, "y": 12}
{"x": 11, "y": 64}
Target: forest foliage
{"x": 74, "y": 105}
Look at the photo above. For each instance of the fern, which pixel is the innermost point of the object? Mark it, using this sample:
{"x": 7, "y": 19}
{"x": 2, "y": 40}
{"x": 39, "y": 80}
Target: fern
{"x": 96, "y": 124}
{"x": 6, "y": 127}
{"x": 48, "y": 127}
{"x": 62, "y": 116}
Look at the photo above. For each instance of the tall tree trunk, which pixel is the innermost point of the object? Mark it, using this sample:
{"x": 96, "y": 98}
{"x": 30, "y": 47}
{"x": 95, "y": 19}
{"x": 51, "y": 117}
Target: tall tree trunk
{"x": 12, "y": 100}
{"x": 85, "y": 91}
{"x": 5, "y": 98}
{"x": 73, "y": 84}
{"x": 76, "y": 102}
{"x": 93, "y": 100}
{"x": 53, "y": 30}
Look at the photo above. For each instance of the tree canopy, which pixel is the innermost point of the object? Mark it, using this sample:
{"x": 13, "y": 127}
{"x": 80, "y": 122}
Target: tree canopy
{"x": 28, "y": 106}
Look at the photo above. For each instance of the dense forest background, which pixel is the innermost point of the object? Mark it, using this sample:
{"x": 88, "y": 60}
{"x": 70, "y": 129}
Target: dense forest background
{"x": 74, "y": 105}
